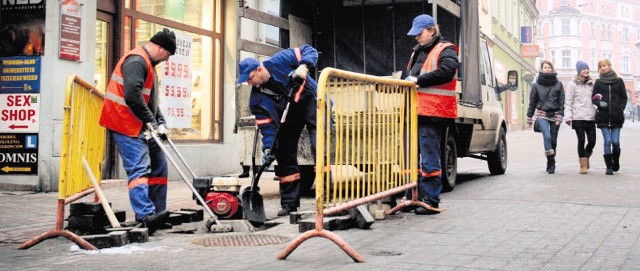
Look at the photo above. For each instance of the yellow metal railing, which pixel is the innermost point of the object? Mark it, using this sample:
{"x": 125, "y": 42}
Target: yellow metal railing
{"x": 367, "y": 136}
{"x": 81, "y": 136}
{"x": 367, "y": 146}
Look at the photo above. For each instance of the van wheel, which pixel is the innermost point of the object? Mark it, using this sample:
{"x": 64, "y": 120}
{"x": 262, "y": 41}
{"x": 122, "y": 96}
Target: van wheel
{"x": 497, "y": 160}
{"x": 449, "y": 164}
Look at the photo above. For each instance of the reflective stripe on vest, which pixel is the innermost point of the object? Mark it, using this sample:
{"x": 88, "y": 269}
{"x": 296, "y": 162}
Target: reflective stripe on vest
{"x": 116, "y": 115}
{"x": 441, "y": 100}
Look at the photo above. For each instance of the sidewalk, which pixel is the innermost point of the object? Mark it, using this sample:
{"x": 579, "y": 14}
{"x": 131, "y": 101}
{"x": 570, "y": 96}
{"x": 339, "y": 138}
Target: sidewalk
{"x": 24, "y": 215}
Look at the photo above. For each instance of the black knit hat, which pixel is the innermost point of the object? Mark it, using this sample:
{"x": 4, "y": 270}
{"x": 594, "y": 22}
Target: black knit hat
{"x": 166, "y": 39}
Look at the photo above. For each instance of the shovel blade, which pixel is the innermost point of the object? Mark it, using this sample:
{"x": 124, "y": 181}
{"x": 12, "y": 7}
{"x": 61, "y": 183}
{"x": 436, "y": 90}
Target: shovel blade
{"x": 253, "y": 206}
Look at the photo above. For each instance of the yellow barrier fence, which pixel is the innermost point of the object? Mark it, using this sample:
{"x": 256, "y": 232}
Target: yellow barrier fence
{"x": 81, "y": 136}
{"x": 366, "y": 146}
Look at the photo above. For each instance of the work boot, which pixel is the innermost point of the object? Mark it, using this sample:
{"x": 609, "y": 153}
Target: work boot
{"x": 584, "y": 162}
{"x": 615, "y": 159}
{"x": 551, "y": 164}
{"x": 155, "y": 221}
{"x": 286, "y": 210}
{"x": 608, "y": 160}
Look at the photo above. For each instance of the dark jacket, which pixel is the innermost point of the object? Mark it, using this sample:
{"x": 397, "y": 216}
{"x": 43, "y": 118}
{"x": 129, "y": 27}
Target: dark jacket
{"x": 553, "y": 106}
{"x": 615, "y": 95}
{"x": 135, "y": 71}
{"x": 447, "y": 67}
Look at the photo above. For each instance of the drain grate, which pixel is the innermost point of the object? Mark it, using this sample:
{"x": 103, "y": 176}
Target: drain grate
{"x": 246, "y": 240}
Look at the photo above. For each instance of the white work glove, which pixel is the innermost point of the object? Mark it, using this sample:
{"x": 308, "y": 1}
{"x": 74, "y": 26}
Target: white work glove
{"x": 162, "y": 132}
{"x": 147, "y": 135}
{"x": 268, "y": 157}
{"x": 302, "y": 71}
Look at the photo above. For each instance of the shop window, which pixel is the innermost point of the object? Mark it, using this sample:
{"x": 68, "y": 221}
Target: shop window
{"x": 199, "y": 112}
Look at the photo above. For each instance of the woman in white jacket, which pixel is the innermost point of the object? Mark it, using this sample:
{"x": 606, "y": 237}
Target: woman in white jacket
{"x": 579, "y": 113}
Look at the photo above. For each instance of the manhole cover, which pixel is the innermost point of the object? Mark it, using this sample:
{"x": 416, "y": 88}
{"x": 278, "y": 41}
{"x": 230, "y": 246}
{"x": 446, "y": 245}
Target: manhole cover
{"x": 385, "y": 253}
{"x": 246, "y": 240}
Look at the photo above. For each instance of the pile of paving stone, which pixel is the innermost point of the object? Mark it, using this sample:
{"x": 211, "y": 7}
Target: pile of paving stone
{"x": 89, "y": 220}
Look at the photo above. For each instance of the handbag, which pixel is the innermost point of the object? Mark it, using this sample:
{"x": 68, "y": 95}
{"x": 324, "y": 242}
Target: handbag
{"x": 536, "y": 123}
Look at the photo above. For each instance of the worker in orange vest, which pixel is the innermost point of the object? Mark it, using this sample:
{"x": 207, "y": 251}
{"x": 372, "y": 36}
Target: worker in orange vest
{"x": 432, "y": 66}
{"x": 131, "y": 101}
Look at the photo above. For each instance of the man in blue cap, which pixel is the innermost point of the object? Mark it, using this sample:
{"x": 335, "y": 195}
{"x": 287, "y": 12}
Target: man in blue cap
{"x": 432, "y": 66}
{"x": 272, "y": 87}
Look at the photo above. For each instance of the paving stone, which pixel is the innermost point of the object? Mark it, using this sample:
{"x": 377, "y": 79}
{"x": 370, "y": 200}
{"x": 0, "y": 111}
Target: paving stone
{"x": 85, "y": 208}
{"x": 175, "y": 219}
{"x": 119, "y": 238}
{"x": 99, "y": 241}
{"x": 199, "y": 212}
{"x": 187, "y": 216}
{"x": 139, "y": 235}
{"x": 295, "y": 217}
{"x": 362, "y": 217}
{"x": 329, "y": 223}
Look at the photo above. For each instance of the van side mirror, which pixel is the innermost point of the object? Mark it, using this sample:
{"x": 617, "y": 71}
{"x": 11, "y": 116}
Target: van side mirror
{"x": 512, "y": 79}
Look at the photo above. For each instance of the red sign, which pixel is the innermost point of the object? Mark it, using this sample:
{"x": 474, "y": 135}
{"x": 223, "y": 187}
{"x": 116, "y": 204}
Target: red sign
{"x": 70, "y": 30}
{"x": 530, "y": 51}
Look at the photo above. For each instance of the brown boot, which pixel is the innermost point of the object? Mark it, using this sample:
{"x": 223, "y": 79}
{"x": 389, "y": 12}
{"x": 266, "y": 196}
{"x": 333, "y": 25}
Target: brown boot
{"x": 584, "y": 165}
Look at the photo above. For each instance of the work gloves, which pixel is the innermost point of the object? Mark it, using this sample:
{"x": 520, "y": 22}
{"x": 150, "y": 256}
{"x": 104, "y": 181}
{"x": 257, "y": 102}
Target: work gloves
{"x": 302, "y": 71}
{"x": 161, "y": 132}
{"x": 412, "y": 79}
{"x": 268, "y": 157}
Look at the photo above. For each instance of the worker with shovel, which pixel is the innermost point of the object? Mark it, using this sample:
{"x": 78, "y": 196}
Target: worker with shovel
{"x": 130, "y": 101}
{"x": 283, "y": 100}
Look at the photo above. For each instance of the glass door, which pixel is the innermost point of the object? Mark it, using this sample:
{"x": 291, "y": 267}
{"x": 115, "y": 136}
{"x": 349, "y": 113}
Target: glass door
{"x": 104, "y": 49}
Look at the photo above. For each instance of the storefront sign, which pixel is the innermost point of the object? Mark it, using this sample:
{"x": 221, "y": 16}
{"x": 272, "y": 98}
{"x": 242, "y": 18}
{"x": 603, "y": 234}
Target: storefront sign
{"x": 22, "y": 27}
{"x": 526, "y": 34}
{"x": 175, "y": 94}
{"x": 530, "y": 51}
{"x": 19, "y": 154}
{"x": 19, "y": 113}
{"x": 20, "y": 74}
{"x": 70, "y": 23}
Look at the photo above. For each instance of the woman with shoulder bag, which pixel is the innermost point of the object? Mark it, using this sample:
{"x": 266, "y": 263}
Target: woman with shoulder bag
{"x": 610, "y": 96}
{"x": 546, "y": 106}
{"x": 579, "y": 113}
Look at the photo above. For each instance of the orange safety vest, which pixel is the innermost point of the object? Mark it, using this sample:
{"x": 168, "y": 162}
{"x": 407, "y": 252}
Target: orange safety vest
{"x": 441, "y": 100}
{"x": 116, "y": 115}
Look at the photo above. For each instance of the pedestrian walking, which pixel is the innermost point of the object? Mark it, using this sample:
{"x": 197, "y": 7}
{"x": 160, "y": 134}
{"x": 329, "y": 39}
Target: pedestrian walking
{"x": 610, "y": 95}
{"x": 271, "y": 83}
{"x": 130, "y": 102}
{"x": 546, "y": 107}
{"x": 432, "y": 66}
{"x": 579, "y": 113}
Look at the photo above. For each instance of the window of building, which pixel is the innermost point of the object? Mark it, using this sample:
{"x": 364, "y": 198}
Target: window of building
{"x": 565, "y": 3}
{"x": 566, "y": 58}
{"x": 593, "y": 29}
{"x": 592, "y": 59}
{"x": 198, "y": 20}
{"x": 624, "y": 61}
{"x": 566, "y": 27}
{"x": 553, "y": 58}
{"x": 625, "y": 35}
{"x": 606, "y": 32}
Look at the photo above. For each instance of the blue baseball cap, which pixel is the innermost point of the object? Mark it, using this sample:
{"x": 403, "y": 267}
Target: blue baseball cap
{"x": 421, "y": 22}
{"x": 246, "y": 66}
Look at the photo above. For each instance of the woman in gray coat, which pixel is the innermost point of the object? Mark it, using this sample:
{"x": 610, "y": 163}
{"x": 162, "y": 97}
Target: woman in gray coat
{"x": 579, "y": 113}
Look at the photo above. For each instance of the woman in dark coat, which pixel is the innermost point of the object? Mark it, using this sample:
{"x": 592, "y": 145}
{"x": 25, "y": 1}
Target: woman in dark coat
{"x": 546, "y": 104}
{"x": 610, "y": 96}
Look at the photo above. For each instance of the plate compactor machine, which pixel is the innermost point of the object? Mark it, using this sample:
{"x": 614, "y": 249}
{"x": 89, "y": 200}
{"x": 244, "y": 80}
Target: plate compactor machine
{"x": 221, "y": 195}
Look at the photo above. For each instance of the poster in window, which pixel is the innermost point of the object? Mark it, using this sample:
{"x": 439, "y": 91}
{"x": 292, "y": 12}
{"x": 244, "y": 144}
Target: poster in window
{"x": 22, "y": 28}
{"x": 175, "y": 87}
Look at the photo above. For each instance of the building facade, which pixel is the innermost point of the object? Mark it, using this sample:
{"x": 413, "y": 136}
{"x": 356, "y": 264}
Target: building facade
{"x": 512, "y": 23}
{"x": 588, "y": 30}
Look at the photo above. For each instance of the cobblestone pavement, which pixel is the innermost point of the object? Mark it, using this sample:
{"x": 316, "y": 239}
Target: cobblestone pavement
{"x": 523, "y": 220}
